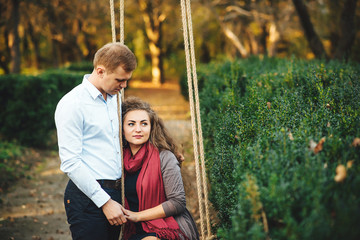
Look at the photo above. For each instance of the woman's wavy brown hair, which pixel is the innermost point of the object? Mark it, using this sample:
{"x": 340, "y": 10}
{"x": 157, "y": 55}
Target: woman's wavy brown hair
{"x": 159, "y": 136}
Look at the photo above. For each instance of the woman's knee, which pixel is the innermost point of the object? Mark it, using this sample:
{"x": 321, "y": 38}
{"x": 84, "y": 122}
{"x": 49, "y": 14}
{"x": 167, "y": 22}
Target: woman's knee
{"x": 151, "y": 238}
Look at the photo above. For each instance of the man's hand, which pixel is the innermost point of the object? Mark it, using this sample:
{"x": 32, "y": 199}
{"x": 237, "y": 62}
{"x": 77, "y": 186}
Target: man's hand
{"x": 114, "y": 212}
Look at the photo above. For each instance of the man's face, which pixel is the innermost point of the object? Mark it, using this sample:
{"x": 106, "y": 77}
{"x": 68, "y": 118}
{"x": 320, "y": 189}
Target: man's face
{"x": 113, "y": 82}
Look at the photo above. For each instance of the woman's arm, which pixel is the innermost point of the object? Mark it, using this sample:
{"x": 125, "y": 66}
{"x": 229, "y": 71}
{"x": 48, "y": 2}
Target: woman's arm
{"x": 174, "y": 192}
{"x": 146, "y": 215}
{"x": 173, "y": 184}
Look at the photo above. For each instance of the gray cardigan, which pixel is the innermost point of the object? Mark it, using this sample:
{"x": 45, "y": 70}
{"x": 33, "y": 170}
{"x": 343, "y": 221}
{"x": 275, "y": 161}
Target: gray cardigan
{"x": 174, "y": 191}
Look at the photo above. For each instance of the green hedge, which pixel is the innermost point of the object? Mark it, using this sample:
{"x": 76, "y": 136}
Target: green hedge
{"x": 15, "y": 161}
{"x": 260, "y": 118}
{"x": 28, "y": 104}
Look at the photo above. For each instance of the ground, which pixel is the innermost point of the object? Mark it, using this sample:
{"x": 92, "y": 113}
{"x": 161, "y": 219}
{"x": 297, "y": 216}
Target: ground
{"x": 33, "y": 208}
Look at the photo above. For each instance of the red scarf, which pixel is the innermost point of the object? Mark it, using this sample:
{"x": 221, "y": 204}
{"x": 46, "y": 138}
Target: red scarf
{"x": 150, "y": 191}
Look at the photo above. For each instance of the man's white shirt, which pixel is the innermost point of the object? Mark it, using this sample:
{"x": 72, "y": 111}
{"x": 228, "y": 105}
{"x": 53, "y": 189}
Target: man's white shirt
{"x": 88, "y": 137}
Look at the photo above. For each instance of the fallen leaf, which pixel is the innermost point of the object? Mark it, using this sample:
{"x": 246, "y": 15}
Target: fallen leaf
{"x": 349, "y": 164}
{"x": 290, "y": 136}
{"x": 312, "y": 145}
{"x": 356, "y": 142}
{"x": 319, "y": 146}
{"x": 340, "y": 173}
{"x": 268, "y": 105}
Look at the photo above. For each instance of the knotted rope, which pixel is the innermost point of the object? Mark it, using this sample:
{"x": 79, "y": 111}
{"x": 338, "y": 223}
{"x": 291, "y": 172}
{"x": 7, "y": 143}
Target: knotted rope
{"x": 113, "y": 33}
{"x": 193, "y": 93}
{"x": 197, "y": 136}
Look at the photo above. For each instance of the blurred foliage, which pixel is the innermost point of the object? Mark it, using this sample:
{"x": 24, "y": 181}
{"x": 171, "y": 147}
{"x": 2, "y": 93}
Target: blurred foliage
{"x": 29, "y": 102}
{"x": 54, "y": 33}
{"x": 85, "y": 67}
{"x": 15, "y": 161}
{"x": 277, "y": 132}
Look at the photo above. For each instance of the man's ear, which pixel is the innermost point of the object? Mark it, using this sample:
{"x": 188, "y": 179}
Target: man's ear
{"x": 100, "y": 70}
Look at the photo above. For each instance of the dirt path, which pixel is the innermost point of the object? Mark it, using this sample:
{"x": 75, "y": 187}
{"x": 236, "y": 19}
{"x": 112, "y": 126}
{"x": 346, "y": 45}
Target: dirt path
{"x": 33, "y": 208}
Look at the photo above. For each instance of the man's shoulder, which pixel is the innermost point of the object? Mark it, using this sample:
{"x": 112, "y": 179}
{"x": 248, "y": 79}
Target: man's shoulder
{"x": 72, "y": 99}
{"x": 74, "y": 94}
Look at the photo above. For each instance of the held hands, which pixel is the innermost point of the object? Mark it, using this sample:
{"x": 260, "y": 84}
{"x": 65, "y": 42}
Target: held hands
{"x": 145, "y": 215}
{"x": 114, "y": 212}
{"x": 132, "y": 216}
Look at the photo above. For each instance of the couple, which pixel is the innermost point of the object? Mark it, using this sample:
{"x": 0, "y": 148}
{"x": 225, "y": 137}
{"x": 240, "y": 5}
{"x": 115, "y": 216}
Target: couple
{"x": 88, "y": 136}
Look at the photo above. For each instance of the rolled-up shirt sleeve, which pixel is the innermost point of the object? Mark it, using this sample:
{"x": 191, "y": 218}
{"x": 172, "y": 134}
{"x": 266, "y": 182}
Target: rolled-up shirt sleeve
{"x": 69, "y": 123}
{"x": 173, "y": 184}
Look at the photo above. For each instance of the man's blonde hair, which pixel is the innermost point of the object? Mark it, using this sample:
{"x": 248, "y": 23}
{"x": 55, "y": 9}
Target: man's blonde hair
{"x": 113, "y": 55}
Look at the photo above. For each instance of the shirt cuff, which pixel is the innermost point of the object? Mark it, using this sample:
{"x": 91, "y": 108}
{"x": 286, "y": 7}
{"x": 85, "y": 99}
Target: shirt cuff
{"x": 100, "y": 198}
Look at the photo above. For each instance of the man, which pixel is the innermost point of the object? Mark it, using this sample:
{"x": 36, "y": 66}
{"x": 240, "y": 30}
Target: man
{"x": 88, "y": 136}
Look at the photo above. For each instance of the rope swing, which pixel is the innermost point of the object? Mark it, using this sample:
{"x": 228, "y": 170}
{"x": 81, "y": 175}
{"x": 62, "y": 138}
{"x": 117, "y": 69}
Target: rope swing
{"x": 197, "y": 136}
{"x": 201, "y": 182}
{"x": 113, "y": 33}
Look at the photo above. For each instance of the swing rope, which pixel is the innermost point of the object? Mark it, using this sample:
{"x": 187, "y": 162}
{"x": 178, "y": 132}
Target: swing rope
{"x": 193, "y": 93}
{"x": 122, "y": 34}
{"x": 112, "y": 17}
{"x": 197, "y": 137}
{"x": 113, "y": 31}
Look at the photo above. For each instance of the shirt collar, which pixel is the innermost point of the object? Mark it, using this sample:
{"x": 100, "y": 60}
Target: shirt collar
{"x": 94, "y": 92}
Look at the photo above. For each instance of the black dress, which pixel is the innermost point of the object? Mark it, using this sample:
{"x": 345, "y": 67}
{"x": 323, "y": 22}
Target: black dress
{"x": 133, "y": 201}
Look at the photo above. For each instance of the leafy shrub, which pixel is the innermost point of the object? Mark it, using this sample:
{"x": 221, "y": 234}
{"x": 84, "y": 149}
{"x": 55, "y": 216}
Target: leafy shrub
{"x": 261, "y": 122}
{"x": 28, "y": 105}
{"x": 13, "y": 164}
{"x": 85, "y": 67}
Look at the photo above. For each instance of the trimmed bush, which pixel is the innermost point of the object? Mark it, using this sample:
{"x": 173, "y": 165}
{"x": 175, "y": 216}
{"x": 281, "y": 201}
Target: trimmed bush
{"x": 86, "y": 67}
{"x": 28, "y": 105}
{"x": 277, "y": 132}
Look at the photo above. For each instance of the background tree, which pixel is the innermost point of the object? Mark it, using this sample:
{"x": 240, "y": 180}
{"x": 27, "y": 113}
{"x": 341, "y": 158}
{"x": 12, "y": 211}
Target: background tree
{"x": 153, "y": 15}
{"x": 343, "y": 33}
{"x": 5, "y": 56}
{"x": 253, "y": 27}
{"x": 14, "y": 37}
{"x": 38, "y": 34}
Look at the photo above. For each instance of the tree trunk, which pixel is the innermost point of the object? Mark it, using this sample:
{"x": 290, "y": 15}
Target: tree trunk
{"x": 228, "y": 32}
{"x": 313, "y": 39}
{"x": 36, "y": 42}
{"x": 5, "y": 58}
{"x": 348, "y": 30}
{"x": 254, "y": 46}
{"x": 156, "y": 64}
{"x": 15, "y": 41}
{"x": 55, "y": 53}
{"x": 274, "y": 37}
{"x": 153, "y": 22}
{"x": 234, "y": 40}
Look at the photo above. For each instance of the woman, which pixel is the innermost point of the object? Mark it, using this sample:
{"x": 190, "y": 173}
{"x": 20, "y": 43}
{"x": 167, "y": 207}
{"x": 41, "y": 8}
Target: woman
{"x": 154, "y": 189}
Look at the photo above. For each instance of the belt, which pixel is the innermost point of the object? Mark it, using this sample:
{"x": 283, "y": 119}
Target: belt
{"x": 113, "y": 184}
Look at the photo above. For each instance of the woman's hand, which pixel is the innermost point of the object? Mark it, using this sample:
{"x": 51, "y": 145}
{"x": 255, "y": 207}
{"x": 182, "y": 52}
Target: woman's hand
{"x": 132, "y": 216}
{"x": 146, "y": 215}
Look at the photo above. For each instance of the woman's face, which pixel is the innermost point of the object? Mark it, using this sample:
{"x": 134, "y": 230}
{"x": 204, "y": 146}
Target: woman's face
{"x": 137, "y": 129}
